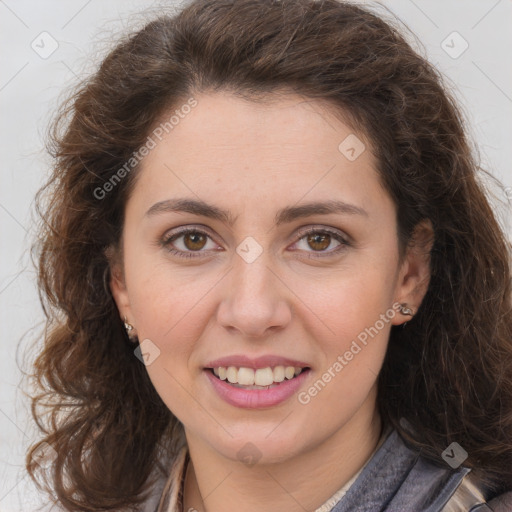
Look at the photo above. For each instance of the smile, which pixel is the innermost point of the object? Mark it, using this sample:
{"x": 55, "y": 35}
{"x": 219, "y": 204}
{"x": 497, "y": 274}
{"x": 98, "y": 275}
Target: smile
{"x": 261, "y": 378}
{"x": 256, "y": 388}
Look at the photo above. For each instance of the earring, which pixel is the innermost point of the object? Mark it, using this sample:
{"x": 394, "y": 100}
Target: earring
{"x": 406, "y": 310}
{"x": 127, "y": 326}
{"x": 129, "y": 329}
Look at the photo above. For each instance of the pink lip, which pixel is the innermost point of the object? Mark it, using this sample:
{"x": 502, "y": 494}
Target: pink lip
{"x": 258, "y": 362}
{"x": 256, "y": 398}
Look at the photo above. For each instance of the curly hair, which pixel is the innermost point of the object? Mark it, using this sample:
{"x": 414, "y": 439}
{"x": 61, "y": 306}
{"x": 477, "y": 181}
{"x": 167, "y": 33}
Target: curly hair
{"x": 448, "y": 373}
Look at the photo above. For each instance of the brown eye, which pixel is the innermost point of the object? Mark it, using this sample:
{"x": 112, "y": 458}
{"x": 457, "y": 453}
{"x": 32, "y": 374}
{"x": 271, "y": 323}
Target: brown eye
{"x": 194, "y": 240}
{"x": 189, "y": 243}
{"x": 319, "y": 241}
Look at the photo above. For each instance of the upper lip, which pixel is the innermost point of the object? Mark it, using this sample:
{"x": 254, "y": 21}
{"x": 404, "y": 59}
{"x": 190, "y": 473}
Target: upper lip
{"x": 255, "y": 363}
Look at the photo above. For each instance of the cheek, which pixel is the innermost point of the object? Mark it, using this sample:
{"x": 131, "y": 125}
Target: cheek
{"x": 169, "y": 302}
{"x": 353, "y": 336}
{"x": 343, "y": 304}
{"x": 172, "y": 309}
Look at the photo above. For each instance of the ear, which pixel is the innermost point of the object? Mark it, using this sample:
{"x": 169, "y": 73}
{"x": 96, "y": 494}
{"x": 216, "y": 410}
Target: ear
{"x": 414, "y": 274}
{"x": 117, "y": 285}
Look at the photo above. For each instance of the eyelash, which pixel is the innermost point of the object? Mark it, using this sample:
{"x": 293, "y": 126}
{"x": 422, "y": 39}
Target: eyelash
{"x": 167, "y": 240}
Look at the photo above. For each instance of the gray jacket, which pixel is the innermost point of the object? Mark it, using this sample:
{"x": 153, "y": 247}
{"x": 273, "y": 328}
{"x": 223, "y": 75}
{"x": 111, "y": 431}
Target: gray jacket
{"x": 397, "y": 479}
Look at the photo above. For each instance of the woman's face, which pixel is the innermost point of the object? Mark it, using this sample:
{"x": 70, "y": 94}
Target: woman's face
{"x": 249, "y": 288}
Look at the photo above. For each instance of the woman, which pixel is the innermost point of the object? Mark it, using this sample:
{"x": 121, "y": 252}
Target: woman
{"x": 272, "y": 278}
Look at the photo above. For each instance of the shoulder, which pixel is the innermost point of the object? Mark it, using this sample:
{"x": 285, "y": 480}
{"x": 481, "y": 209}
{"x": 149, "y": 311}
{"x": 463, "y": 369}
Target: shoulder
{"x": 471, "y": 495}
{"x": 398, "y": 478}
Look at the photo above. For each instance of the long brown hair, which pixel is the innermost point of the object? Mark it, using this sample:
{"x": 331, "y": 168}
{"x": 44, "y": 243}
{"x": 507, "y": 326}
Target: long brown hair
{"x": 448, "y": 373}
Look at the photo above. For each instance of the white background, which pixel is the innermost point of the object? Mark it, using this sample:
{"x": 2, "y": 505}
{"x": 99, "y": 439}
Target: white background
{"x": 29, "y": 92}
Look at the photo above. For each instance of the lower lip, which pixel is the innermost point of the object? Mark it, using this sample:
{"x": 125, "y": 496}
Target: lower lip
{"x": 257, "y": 398}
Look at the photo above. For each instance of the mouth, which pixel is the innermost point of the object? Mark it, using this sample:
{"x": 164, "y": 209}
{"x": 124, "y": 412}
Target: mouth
{"x": 257, "y": 379}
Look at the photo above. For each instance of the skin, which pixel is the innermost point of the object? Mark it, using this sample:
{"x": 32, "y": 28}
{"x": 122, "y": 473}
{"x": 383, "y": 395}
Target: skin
{"x": 254, "y": 158}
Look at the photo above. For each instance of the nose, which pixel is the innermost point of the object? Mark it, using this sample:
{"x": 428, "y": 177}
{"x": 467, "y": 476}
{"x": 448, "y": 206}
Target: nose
{"x": 255, "y": 301}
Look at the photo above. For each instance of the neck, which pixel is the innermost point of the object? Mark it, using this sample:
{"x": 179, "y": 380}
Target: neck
{"x": 215, "y": 483}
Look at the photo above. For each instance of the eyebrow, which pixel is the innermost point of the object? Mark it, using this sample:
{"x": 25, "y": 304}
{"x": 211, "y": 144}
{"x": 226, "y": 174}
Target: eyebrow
{"x": 288, "y": 214}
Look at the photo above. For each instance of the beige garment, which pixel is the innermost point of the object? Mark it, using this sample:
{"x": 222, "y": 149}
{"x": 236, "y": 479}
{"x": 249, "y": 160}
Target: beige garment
{"x": 466, "y": 496}
{"x": 172, "y": 495}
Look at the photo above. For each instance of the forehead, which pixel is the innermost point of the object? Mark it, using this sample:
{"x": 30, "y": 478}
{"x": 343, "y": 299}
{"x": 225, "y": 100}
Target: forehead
{"x": 282, "y": 123}
{"x": 286, "y": 147}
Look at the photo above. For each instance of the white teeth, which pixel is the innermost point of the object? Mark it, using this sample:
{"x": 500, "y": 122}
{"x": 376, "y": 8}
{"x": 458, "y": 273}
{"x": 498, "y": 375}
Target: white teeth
{"x": 279, "y": 374}
{"x": 232, "y": 375}
{"x": 253, "y": 378}
{"x": 289, "y": 372}
{"x": 262, "y": 377}
{"x": 246, "y": 377}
